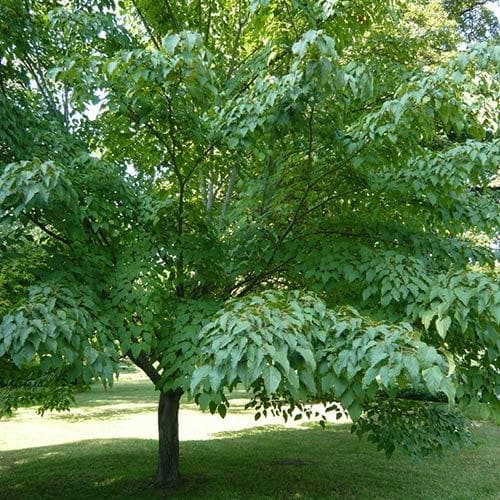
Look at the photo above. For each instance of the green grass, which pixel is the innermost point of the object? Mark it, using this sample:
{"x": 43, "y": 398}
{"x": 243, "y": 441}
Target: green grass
{"x": 261, "y": 462}
{"x": 138, "y": 394}
{"x": 292, "y": 463}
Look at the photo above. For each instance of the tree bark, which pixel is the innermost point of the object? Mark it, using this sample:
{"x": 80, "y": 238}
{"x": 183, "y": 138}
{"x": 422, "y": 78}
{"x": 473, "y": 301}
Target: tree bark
{"x": 168, "y": 432}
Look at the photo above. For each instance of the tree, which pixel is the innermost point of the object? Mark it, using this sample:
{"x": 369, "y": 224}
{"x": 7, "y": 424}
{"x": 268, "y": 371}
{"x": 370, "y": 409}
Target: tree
{"x": 291, "y": 196}
{"x": 36, "y": 123}
{"x": 476, "y": 18}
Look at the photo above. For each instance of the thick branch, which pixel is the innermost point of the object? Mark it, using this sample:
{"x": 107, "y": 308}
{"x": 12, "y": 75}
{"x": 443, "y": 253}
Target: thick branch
{"x": 146, "y": 366}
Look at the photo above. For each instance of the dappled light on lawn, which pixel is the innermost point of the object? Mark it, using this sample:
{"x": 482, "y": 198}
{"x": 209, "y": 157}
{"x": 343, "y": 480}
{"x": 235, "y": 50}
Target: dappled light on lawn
{"x": 127, "y": 410}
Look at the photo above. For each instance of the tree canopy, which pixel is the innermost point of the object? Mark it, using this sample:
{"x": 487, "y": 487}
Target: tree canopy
{"x": 291, "y": 196}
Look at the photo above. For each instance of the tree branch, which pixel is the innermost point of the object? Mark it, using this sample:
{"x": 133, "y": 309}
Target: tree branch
{"x": 146, "y": 26}
{"x": 254, "y": 280}
{"x": 211, "y": 146}
{"x": 203, "y": 188}
{"x": 209, "y": 22}
{"x": 297, "y": 214}
{"x": 146, "y": 366}
{"x": 46, "y": 230}
{"x": 236, "y": 44}
{"x": 472, "y": 7}
{"x": 49, "y": 101}
{"x": 180, "y": 229}
{"x": 229, "y": 192}
{"x": 210, "y": 197}
{"x": 172, "y": 15}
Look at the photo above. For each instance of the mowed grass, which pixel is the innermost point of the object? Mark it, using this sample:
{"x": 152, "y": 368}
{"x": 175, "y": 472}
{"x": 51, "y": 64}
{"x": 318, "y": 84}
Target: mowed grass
{"x": 259, "y": 462}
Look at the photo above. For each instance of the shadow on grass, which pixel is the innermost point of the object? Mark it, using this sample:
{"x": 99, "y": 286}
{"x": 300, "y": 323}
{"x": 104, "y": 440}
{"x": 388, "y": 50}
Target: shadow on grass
{"x": 129, "y": 391}
{"x": 109, "y": 412}
{"x": 129, "y": 397}
{"x": 258, "y": 463}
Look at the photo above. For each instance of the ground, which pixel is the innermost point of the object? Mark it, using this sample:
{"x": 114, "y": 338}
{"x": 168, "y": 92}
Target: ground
{"x": 106, "y": 448}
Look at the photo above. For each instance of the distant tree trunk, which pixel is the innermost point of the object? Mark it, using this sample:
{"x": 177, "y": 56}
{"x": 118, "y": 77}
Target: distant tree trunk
{"x": 168, "y": 431}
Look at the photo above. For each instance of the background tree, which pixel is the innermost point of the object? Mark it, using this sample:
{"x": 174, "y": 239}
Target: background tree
{"x": 476, "y": 18}
{"x": 291, "y": 196}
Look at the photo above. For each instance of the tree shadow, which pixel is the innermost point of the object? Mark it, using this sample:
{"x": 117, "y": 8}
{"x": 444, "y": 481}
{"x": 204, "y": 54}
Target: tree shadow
{"x": 133, "y": 393}
{"x": 258, "y": 463}
{"x": 107, "y": 412}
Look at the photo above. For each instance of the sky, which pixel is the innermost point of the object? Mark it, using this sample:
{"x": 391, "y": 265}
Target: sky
{"x": 495, "y": 7}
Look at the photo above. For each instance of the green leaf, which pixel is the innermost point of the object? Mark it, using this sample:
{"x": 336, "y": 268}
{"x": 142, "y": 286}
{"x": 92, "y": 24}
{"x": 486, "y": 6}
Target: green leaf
{"x": 199, "y": 374}
{"x": 136, "y": 349}
{"x": 339, "y": 385}
{"x": 347, "y": 398}
{"x": 448, "y": 388}
{"x": 25, "y": 355}
{"x": 411, "y": 364}
{"x": 222, "y": 409}
{"x": 272, "y": 379}
{"x": 433, "y": 378}
{"x": 308, "y": 380}
{"x": 30, "y": 193}
{"x": 282, "y": 358}
{"x": 495, "y": 311}
{"x": 112, "y": 66}
{"x": 170, "y": 42}
{"x": 308, "y": 356}
{"x": 442, "y": 326}
{"x": 293, "y": 378}
{"x": 204, "y": 400}
{"x": 91, "y": 354}
{"x": 428, "y": 355}
{"x": 370, "y": 376}
{"x": 451, "y": 362}
{"x": 327, "y": 383}
{"x": 385, "y": 376}
{"x": 354, "y": 410}
{"x": 427, "y": 318}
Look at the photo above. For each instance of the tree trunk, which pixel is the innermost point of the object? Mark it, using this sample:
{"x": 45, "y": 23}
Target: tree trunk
{"x": 168, "y": 431}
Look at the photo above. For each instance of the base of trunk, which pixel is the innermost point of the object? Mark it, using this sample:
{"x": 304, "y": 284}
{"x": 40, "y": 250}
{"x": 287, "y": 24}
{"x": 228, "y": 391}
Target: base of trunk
{"x": 168, "y": 433}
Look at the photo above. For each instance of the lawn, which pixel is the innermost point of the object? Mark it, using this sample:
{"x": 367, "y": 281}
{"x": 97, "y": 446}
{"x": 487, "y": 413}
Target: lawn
{"x": 106, "y": 449}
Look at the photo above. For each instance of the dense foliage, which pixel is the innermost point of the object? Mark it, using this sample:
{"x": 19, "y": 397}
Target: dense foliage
{"x": 291, "y": 196}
